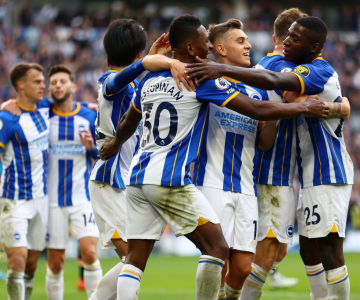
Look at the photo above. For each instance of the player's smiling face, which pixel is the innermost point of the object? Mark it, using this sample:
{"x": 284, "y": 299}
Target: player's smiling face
{"x": 236, "y": 47}
{"x": 61, "y": 87}
{"x": 202, "y": 47}
{"x": 34, "y": 86}
{"x": 297, "y": 45}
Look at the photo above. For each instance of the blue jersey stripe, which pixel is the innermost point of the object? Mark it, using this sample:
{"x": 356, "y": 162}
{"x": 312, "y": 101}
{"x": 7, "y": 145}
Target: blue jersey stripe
{"x": 9, "y": 183}
{"x": 23, "y": 165}
{"x": 70, "y": 128}
{"x": 62, "y": 131}
{"x": 232, "y": 162}
{"x": 335, "y": 149}
{"x": 45, "y": 162}
{"x": 103, "y": 174}
{"x": 65, "y": 182}
{"x": 201, "y": 159}
{"x": 299, "y": 160}
{"x": 86, "y": 177}
{"x": 263, "y": 165}
{"x": 255, "y": 159}
{"x": 117, "y": 176}
{"x": 38, "y": 121}
{"x": 321, "y": 159}
{"x": 138, "y": 171}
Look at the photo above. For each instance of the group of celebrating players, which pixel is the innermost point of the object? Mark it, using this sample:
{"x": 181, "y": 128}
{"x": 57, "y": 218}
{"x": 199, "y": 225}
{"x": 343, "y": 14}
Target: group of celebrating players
{"x": 185, "y": 148}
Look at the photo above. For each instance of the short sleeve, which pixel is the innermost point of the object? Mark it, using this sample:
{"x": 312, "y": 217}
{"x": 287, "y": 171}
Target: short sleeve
{"x": 136, "y": 102}
{"x": 8, "y": 125}
{"x": 218, "y": 91}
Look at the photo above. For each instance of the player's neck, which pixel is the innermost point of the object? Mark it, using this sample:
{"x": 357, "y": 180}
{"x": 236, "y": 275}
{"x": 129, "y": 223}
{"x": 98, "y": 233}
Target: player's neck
{"x": 226, "y": 61}
{"x": 116, "y": 68}
{"x": 184, "y": 58}
{"x": 278, "y": 49}
{"x": 310, "y": 58}
{"x": 26, "y": 102}
{"x": 64, "y": 107}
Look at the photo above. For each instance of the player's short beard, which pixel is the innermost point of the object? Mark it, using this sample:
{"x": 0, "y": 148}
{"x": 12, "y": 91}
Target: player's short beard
{"x": 62, "y": 99}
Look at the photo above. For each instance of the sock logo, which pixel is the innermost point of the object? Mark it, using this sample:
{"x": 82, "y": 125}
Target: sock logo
{"x": 290, "y": 231}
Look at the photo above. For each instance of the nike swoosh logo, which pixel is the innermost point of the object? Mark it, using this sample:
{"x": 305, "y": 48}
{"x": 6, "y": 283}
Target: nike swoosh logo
{"x": 254, "y": 287}
{"x": 253, "y": 244}
{"x": 87, "y": 230}
{"x": 27, "y": 127}
{"x": 310, "y": 229}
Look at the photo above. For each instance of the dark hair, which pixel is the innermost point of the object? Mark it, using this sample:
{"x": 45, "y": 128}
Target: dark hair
{"x": 217, "y": 30}
{"x": 61, "y": 68}
{"x": 284, "y": 21}
{"x": 183, "y": 29}
{"x": 123, "y": 40}
{"x": 19, "y": 71}
{"x": 315, "y": 26}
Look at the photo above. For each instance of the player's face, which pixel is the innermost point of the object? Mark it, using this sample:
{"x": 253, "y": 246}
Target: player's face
{"x": 237, "y": 48}
{"x": 33, "y": 87}
{"x": 297, "y": 45}
{"x": 202, "y": 47}
{"x": 61, "y": 87}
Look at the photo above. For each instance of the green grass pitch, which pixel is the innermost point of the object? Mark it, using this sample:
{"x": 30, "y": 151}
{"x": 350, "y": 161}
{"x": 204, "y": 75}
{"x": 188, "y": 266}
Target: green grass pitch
{"x": 173, "y": 278}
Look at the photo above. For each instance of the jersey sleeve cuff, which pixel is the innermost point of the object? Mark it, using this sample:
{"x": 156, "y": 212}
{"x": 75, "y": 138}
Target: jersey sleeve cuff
{"x": 301, "y": 82}
{"x": 134, "y": 106}
{"x": 230, "y": 98}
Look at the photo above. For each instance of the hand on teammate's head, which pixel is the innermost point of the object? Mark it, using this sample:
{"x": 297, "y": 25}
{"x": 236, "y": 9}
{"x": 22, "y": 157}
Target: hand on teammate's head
{"x": 161, "y": 45}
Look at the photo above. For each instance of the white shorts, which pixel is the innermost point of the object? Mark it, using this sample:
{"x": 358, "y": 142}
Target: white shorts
{"x": 151, "y": 207}
{"x": 276, "y": 212}
{"x": 109, "y": 207}
{"x": 77, "y": 220}
{"x": 238, "y": 214}
{"x": 323, "y": 209}
{"x": 23, "y": 223}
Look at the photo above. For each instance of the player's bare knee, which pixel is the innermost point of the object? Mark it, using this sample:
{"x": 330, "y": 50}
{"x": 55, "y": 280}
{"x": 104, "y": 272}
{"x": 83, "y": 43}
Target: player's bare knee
{"x": 16, "y": 263}
{"x": 89, "y": 255}
{"x": 221, "y": 250}
{"x": 56, "y": 264}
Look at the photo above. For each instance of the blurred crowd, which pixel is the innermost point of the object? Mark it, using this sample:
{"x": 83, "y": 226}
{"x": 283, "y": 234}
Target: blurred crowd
{"x": 49, "y": 35}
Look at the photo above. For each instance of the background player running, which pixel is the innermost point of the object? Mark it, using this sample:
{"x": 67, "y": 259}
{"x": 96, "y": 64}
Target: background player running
{"x": 160, "y": 190}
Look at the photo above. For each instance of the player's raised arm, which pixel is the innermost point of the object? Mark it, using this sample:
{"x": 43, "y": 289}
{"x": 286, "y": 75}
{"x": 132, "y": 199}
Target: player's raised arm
{"x": 269, "y": 110}
{"x": 259, "y": 78}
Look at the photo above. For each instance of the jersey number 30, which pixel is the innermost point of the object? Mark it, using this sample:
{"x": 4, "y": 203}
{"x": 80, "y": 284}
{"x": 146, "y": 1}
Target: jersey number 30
{"x": 154, "y": 129}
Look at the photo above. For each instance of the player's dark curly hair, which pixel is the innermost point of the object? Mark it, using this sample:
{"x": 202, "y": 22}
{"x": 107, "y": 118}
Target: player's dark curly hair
{"x": 284, "y": 20}
{"x": 183, "y": 29}
{"x": 317, "y": 28}
{"x": 123, "y": 40}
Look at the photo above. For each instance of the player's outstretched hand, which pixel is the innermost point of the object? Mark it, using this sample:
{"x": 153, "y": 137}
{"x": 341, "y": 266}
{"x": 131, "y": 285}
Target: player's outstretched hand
{"x": 205, "y": 68}
{"x": 108, "y": 149}
{"x": 161, "y": 45}
{"x": 87, "y": 139}
{"x": 11, "y": 107}
{"x": 316, "y": 108}
{"x": 93, "y": 106}
{"x": 178, "y": 70}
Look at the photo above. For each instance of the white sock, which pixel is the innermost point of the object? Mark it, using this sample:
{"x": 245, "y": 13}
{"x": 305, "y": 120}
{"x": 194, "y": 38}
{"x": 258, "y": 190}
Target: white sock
{"x": 274, "y": 267}
{"x": 107, "y": 288}
{"x": 317, "y": 280}
{"x": 29, "y": 284}
{"x": 92, "y": 276}
{"x": 232, "y": 294}
{"x": 338, "y": 283}
{"x": 254, "y": 283}
{"x": 128, "y": 285}
{"x": 208, "y": 277}
{"x": 15, "y": 285}
{"x": 54, "y": 285}
{"x": 221, "y": 294}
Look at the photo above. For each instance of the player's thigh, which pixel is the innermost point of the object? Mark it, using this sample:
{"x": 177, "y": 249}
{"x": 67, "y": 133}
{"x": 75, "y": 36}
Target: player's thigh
{"x": 246, "y": 223}
{"x": 38, "y": 225}
{"x": 276, "y": 212}
{"x": 325, "y": 209}
{"x": 143, "y": 221}
{"x": 183, "y": 207}
{"x": 57, "y": 236}
{"x": 223, "y": 205}
{"x": 82, "y": 221}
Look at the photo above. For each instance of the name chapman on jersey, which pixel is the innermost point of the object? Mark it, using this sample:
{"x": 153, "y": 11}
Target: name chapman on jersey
{"x": 164, "y": 87}
{"x": 71, "y": 150}
{"x": 236, "y": 121}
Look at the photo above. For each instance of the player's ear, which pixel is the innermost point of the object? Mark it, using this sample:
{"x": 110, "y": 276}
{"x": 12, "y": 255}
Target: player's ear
{"x": 315, "y": 48}
{"x": 274, "y": 39}
{"x": 20, "y": 84}
{"x": 73, "y": 88}
{"x": 138, "y": 55}
{"x": 221, "y": 50}
{"x": 190, "y": 49}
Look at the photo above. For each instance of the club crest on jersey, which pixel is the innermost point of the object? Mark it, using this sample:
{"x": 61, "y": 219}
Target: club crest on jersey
{"x": 255, "y": 95}
{"x": 303, "y": 70}
{"x": 290, "y": 231}
{"x": 222, "y": 84}
{"x": 285, "y": 70}
{"x": 81, "y": 129}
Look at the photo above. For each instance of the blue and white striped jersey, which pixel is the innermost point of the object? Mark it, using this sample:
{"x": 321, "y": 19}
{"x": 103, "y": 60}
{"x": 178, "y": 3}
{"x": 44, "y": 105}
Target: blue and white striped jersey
{"x": 69, "y": 161}
{"x": 227, "y": 154}
{"x": 173, "y": 127}
{"x": 24, "y": 146}
{"x": 112, "y": 107}
{"x": 321, "y": 152}
{"x": 277, "y": 165}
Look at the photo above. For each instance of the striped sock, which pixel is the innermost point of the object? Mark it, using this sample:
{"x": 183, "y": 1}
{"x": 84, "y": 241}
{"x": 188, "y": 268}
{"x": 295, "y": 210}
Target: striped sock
{"x": 208, "y": 277}
{"x": 221, "y": 294}
{"x": 107, "y": 288}
{"x": 232, "y": 294}
{"x": 128, "y": 285}
{"x": 54, "y": 285}
{"x": 317, "y": 280}
{"x": 92, "y": 276}
{"x": 29, "y": 284}
{"x": 274, "y": 267}
{"x": 15, "y": 285}
{"x": 338, "y": 283}
{"x": 254, "y": 283}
